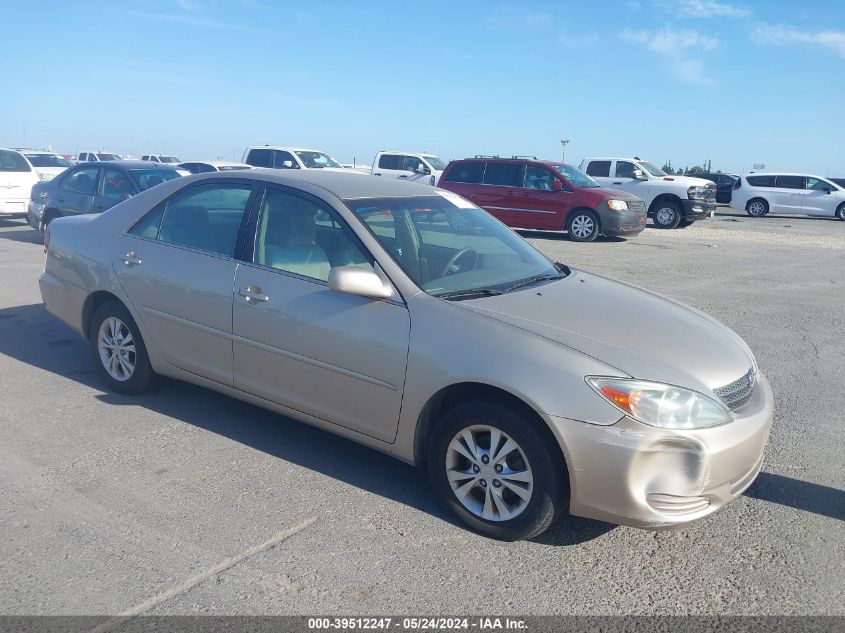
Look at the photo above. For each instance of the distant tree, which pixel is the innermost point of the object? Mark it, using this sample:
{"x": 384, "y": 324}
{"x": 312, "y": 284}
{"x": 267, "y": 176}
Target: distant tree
{"x": 695, "y": 169}
{"x": 667, "y": 167}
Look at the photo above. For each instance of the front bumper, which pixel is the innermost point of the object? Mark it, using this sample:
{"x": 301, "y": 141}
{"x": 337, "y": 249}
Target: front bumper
{"x": 13, "y": 208}
{"x": 633, "y": 474}
{"x": 698, "y": 208}
{"x": 34, "y": 214}
{"x": 621, "y": 223}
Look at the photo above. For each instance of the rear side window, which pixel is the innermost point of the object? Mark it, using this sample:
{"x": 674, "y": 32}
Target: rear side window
{"x": 761, "y": 181}
{"x": 599, "y": 168}
{"x": 504, "y": 174}
{"x": 12, "y": 161}
{"x": 390, "y": 161}
{"x": 789, "y": 182}
{"x": 465, "y": 172}
{"x": 260, "y": 158}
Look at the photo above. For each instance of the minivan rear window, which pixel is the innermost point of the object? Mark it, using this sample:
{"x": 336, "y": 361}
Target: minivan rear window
{"x": 600, "y": 168}
{"x": 12, "y": 161}
{"x": 465, "y": 172}
{"x": 390, "y": 161}
{"x": 504, "y": 174}
{"x": 761, "y": 181}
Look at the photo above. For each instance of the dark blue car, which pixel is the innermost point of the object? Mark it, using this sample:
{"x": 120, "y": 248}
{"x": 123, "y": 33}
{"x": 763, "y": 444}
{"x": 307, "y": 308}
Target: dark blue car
{"x": 93, "y": 188}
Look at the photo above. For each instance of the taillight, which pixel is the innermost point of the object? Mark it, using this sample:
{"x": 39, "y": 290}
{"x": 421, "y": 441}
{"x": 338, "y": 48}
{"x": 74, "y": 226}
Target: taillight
{"x": 737, "y": 184}
{"x": 46, "y": 238}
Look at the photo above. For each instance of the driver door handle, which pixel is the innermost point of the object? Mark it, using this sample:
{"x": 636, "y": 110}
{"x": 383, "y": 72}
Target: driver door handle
{"x": 253, "y": 295}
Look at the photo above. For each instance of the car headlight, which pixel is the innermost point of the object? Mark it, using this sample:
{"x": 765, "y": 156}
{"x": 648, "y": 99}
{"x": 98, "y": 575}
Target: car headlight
{"x": 697, "y": 192}
{"x": 617, "y": 205}
{"x": 45, "y": 177}
{"x": 661, "y": 405}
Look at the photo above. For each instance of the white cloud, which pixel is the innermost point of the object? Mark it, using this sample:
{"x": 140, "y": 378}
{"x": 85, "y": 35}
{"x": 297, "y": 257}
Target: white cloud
{"x": 518, "y": 18}
{"x": 711, "y": 9}
{"x": 782, "y": 35}
{"x": 674, "y": 48}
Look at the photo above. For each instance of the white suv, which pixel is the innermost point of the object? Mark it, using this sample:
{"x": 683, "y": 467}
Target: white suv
{"x": 17, "y": 177}
{"x": 788, "y": 193}
{"x": 161, "y": 158}
{"x": 293, "y": 158}
{"x": 419, "y": 166}
{"x": 47, "y": 164}
{"x": 671, "y": 200}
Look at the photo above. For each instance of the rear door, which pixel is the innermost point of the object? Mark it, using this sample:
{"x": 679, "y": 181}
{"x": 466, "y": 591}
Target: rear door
{"x": 501, "y": 191}
{"x": 75, "y": 193}
{"x": 389, "y": 165}
{"x": 600, "y": 170}
{"x": 788, "y": 194}
{"x": 177, "y": 266}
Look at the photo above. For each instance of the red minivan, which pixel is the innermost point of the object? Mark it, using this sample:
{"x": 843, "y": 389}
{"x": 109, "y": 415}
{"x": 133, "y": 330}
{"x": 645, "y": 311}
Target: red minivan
{"x": 534, "y": 194}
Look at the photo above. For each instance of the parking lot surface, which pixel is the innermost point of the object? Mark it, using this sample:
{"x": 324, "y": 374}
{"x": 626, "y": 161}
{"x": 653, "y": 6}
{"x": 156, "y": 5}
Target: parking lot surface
{"x": 185, "y": 501}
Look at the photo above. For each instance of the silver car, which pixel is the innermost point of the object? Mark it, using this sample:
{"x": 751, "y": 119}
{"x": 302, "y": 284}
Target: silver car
{"x": 528, "y": 389}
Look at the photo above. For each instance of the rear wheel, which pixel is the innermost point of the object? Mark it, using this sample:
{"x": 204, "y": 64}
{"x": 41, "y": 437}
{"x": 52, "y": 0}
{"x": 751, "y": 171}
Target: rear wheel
{"x": 757, "y": 207}
{"x": 840, "y": 211}
{"x": 667, "y": 215}
{"x": 493, "y": 470}
{"x": 582, "y": 225}
{"x": 119, "y": 351}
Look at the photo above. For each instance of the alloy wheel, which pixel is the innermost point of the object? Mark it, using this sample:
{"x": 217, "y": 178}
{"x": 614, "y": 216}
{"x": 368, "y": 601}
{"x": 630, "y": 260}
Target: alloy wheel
{"x": 117, "y": 349}
{"x": 665, "y": 216}
{"x": 757, "y": 208}
{"x": 583, "y": 226}
{"x": 489, "y": 473}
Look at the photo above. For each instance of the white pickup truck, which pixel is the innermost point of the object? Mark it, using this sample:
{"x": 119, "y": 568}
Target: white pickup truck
{"x": 671, "y": 200}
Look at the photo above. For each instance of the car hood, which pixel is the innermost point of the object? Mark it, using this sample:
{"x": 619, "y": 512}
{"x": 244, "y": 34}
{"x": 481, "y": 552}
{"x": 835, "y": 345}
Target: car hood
{"x": 689, "y": 181}
{"x": 609, "y": 193}
{"x": 638, "y": 332}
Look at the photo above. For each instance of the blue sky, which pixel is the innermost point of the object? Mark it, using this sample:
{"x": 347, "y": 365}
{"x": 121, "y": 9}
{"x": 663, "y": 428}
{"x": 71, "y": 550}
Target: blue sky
{"x": 686, "y": 80}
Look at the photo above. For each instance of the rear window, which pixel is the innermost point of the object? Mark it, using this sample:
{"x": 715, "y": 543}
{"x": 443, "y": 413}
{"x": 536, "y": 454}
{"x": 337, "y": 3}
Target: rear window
{"x": 600, "y": 168}
{"x": 761, "y": 181}
{"x": 390, "y": 161}
{"x": 12, "y": 161}
{"x": 465, "y": 172}
{"x": 503, "y": 174}
{"x": 789, "y": 182}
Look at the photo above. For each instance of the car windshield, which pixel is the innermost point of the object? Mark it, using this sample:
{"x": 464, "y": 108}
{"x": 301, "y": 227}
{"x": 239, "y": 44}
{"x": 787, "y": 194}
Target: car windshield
{"x": 12, "y": 161}
{"x": 47, "y": 160}
{"x": 574, "y": 175}
{"x": 317, "y": 160}
{"x": 652, "y": 169}
{"x": 102, "y": 156}
{"x": 168, "y": 159}
{"x": 451, "y": 248}
{"x": 146, "y": 178}
{"x": 435, "y": 162}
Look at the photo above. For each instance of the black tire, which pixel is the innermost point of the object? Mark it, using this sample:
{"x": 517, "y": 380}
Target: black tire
{"x": 586, "y": 225}
{"x": 840, "y": 211}
{"x": 685, "y": 223}
{"x": 48, "y": 217}
{"x": 142, "y": 378}
{"x": 667, "y": 215}
{"x": 757, "y": 207}
{"x": 546, "y": 500}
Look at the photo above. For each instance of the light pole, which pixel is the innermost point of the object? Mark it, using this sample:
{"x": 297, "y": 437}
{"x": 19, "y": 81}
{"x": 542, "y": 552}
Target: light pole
{"x": 564, "y": 143}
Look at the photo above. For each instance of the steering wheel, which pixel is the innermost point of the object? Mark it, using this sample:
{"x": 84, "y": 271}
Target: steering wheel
{"x": 451, "y": 269}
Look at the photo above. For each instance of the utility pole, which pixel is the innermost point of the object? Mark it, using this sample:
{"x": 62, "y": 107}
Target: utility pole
{"x": 564, "y": 143}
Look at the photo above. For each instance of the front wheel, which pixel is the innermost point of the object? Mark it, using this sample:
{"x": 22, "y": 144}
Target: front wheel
{"x": 582, "y": 226}
{"x": 667, "y": 215}
{"x": 840, "y": 211}
{"x": 494, "y": 471}
{"x": 119, "y": 351}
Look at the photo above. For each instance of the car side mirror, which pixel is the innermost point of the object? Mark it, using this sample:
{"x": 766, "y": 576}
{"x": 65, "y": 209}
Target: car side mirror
{"x": 358, "y": 281}
{"x": 828, "y": 190}
{"x": 640, "y": 175}
{"x": 557, "y": 185}
{"x": 287, "y": 164}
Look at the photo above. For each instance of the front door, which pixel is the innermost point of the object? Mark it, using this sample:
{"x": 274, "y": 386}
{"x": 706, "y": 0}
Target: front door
{"x": 622, "y": 177}
{"x": 540, "y": 202}
{"x": 818, "y": 198}
{"x": 334, "y": 356}
{"x": 177, "y": 267}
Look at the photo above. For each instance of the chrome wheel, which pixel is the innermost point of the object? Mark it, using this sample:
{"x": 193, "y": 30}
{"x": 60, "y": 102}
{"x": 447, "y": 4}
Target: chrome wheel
{"x": 758, "y": 207}
{"x": 583, "y": 226}
{"x": 117, "y": 349}
{"x": 489, "y": 473}
{"x": 665, "y": 216}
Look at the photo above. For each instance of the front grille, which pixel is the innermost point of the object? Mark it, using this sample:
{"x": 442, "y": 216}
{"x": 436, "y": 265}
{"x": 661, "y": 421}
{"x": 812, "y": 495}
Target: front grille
{"x": 637, "y": 206}
{"x": 737, "y": 394}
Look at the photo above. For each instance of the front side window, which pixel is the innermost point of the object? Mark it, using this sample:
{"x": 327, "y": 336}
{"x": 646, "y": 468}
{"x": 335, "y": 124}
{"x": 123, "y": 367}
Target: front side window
{"x": 817, "y": 184}
{"x": 316, "y": 160}
{"x": 298, "y": 235}
{"x": 82, "y": 181}
{"x": 574, "y": 175}
{"x": 625, "y": 169}
{"x": 414, "y": 164}
{"x": 146, "y": 178}
{"x": 599, "y": 168}
{"x": 471, "y": 173}
{"x": 446, "y": 257}
{"x": 390, "y": 161}
{"x": 115, "y": 185}
{"x": 503, "y": 174}
{"x": 789, "y": 182}
{"x": 539, "y": 178}
{"x": 284, "y": 160}
{"x": 206, "y": 217}
{"x": 12, "y": 161}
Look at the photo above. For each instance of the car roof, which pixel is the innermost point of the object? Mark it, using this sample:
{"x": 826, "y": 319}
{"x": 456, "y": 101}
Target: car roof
{"x": 131, "y": 163}
{"x": 407, "y": 153}
{"x": 287, "y": 148}
{"x": 215, "y": 163}
{"x": 783, "y": 173}
{"x": 631, "y": 158}
{"x": 343, "y": 186}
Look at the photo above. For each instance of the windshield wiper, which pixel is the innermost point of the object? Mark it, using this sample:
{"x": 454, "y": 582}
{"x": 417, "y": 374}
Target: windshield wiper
{"x": 533, "y": 280}
{"x": 473, "y": 293}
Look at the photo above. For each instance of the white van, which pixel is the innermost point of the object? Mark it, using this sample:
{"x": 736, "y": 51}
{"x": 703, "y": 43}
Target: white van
{"x": 788, "y": 193}
{"x": 418, "y": 166}
{"x": 17, "y": 177}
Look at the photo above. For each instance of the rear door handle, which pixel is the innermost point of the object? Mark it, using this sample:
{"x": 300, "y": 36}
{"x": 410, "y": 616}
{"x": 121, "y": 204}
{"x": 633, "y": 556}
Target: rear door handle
{"x": 252, "y": 294}
{"x": 130, "y": 258}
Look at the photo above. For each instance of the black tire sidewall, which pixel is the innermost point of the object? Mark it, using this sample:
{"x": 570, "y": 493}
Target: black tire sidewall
{"x": 593, "y": 216}
{"x": 667, "y": 205}
{"x": 840, "y": 211}
{"x": 546, "y": 500}
{"x": 748, "y": 207}
{"x": 143, "y": 378}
